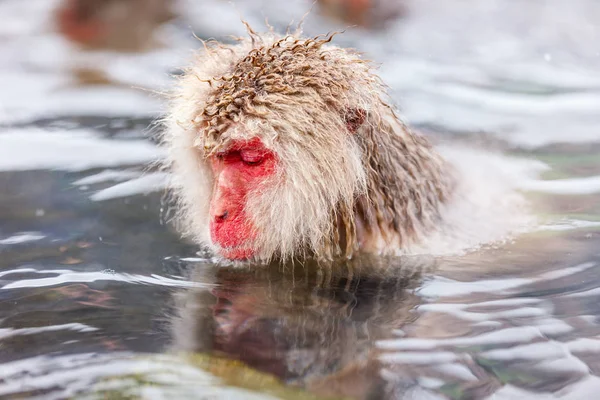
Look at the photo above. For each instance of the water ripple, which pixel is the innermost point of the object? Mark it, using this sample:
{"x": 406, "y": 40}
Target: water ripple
{"x": 90, "y": 375}
{"x": 74, "y": 326}
{"x": 69, "y": 276}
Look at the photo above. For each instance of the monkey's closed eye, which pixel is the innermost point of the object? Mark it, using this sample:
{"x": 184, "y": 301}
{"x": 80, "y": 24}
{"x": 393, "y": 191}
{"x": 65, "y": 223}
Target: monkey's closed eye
{"x": 252, "y": 157}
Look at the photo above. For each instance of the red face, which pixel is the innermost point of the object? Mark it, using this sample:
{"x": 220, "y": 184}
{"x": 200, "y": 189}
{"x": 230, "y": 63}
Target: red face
{"x": 237, "y": 171}
{"x": 79, "y": 21}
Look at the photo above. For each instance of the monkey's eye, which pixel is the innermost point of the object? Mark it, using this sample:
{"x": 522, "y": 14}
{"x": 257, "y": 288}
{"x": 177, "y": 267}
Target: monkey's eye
{"x": 252, "y": 157}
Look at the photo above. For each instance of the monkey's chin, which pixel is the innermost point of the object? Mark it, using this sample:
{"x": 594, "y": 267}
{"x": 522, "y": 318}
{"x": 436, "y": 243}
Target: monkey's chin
{"x": 236, "y": 253}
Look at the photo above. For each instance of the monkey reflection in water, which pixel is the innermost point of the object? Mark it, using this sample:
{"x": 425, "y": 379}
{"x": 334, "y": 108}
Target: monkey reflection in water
{"x": 310, "y": 327}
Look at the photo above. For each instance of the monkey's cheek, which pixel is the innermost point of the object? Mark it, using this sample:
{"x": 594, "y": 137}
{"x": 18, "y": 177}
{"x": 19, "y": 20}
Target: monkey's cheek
{"x": 228, "y": 235}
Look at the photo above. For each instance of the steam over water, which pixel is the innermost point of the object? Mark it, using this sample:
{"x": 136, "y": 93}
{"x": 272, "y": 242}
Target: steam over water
{"x": 99, "y": 297}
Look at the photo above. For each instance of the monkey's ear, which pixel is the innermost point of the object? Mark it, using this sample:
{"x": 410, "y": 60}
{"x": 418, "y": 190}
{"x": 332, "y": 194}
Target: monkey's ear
{"x": 354, "y": 118}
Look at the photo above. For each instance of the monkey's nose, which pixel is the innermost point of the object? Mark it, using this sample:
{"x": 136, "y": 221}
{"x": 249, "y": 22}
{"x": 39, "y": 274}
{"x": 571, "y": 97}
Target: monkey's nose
{"x": 222, "y": 216}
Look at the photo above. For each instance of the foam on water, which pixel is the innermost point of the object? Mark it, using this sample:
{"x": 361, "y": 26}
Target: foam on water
{"x": 32, "y": 148}
{"x": 148, "y": 183}
{"x": 490, "y": 205}
{"x": 568, "y": 224}
{"x": 28, "y": 97}
{"x": 572, "y": 186}
{"x": 107, "y": 175}
{"x": 77, "y": 327}
{"x": 487, "y": 206}
{"x": 22, "y": 237}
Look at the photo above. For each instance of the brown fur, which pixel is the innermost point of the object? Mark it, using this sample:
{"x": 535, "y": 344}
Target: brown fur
{"x": 377, "y": 190}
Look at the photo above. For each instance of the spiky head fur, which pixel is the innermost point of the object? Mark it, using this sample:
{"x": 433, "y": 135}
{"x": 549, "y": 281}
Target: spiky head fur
{"x": 335, "y": 192}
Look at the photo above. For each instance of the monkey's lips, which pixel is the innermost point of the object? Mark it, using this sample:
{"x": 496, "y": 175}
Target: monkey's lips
{"x": 233, "y": 240}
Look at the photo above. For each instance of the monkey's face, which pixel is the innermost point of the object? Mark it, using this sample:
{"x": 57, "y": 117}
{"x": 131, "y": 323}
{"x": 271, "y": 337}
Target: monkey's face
{"x": 237, "y": 170}
{"x": 79, "y": 20}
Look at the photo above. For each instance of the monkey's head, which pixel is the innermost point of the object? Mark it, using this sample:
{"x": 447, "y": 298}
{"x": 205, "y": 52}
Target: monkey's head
{"x": 265, "y": 145}
{"x": 81, "y": 20}
{"x": 124, "y": 25}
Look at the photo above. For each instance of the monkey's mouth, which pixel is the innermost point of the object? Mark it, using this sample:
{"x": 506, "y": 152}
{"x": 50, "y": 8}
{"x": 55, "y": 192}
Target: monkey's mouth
{"x": 236, "y": 252}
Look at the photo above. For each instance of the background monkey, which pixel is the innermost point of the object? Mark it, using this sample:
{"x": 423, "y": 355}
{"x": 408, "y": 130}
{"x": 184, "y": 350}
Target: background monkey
{"x": 373, "y": 14}
{"x": 121, "y": 25}
{"x": 287, "y": 147}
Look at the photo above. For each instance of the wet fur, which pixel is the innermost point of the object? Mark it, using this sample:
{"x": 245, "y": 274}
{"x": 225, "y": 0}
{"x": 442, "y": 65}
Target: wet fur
{"x": 335, "y": 193}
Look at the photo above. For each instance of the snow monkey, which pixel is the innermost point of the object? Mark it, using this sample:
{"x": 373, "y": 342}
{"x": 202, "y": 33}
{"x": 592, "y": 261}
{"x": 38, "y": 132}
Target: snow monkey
{"x": 284, "y": 147}
{"x": 121, "y": 25}
{"x": 365, "y": 13}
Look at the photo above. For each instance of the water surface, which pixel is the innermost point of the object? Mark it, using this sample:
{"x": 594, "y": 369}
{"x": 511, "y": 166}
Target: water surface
{"x": 100, "y": 297}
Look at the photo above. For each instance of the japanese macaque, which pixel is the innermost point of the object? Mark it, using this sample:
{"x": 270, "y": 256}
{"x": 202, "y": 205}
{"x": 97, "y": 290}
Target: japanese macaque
{"x": 120, "y": 25}
{"x": 287, "y": 147}
{"x": 365, "y": 13}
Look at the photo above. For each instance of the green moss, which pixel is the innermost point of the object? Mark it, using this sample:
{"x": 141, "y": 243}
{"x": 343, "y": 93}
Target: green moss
{"x": 453, "y": 391}
{"x": 236, "y": 373}
{"x": 505, "y": 374}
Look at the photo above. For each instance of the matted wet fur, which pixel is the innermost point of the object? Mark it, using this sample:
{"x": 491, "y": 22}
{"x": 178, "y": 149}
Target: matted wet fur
{"x": 351, "y": 177}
